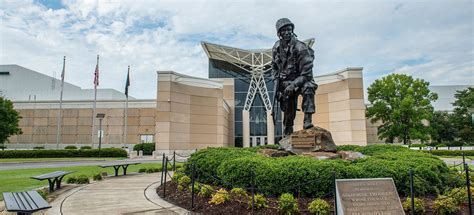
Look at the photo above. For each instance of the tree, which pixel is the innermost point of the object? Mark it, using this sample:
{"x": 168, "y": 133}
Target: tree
{"x": 402, "y": 104}
{"x": 462, "y": 117}
{"x": 9, "y": 118}
{"x": 441, "y": 127}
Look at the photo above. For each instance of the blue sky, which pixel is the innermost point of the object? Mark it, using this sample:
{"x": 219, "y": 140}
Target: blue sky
{"x": 431, "y": 40}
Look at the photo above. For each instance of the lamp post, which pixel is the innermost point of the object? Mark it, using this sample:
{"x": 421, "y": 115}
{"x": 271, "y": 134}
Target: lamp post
{"x": 100, "y": 116}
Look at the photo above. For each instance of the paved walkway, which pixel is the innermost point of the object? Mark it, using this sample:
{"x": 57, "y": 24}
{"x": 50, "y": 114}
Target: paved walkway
{"x": 131, "y": 194}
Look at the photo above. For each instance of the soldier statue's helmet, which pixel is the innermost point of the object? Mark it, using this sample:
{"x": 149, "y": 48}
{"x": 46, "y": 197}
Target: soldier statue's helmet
{"x": 283, "y": 22}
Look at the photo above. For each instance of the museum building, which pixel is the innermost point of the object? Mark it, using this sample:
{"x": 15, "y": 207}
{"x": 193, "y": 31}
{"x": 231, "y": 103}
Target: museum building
{"x": 232, "y": 107}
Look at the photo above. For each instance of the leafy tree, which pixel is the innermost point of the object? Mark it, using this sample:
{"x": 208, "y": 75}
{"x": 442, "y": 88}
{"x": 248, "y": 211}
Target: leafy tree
{"x": 462, "y": 118}
{"x": 9, "y": 118}
{"x": 402, "y": 104}
{"x": 441, "y": 127}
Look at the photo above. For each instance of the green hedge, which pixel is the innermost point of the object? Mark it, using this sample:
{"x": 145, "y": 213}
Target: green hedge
{"x": 107, "y": 152}
{"x": 234, "y": 167}
{"x": 147, "y": 148}
{"x": 452, "y": 152}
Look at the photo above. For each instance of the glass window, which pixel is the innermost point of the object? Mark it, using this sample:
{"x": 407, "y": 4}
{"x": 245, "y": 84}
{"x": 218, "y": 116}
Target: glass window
{"x": 241, "y": 85}
{"x": 238, "y": 142}
{"x": 238, "y": 113}
{"x": 146, "y": 138}
{"x": 238, "y": 128}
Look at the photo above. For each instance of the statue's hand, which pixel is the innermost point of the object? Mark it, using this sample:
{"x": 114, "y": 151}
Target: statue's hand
{"x": 290, "y": 89}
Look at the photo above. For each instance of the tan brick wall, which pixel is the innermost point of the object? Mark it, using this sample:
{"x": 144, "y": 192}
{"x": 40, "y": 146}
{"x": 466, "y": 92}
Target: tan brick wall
{"x": 40, "y": 126}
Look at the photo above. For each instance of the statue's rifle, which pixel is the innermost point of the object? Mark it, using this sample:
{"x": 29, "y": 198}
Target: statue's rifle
{"x": 276, "y": 96}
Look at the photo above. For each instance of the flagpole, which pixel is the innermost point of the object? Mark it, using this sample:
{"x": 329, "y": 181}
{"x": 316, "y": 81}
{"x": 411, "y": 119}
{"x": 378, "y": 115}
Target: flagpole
{"x": 126, "y": 106}
{"x": 58, "y": 131}
{"x": 96, "y": 81}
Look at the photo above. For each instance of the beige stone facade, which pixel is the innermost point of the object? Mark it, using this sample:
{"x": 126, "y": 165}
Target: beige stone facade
{"x": 39, "y": 122}
{"x": 191, "y": 113}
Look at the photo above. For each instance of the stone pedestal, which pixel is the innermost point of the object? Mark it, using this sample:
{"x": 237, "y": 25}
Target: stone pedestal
{"x": 309, "y": 140}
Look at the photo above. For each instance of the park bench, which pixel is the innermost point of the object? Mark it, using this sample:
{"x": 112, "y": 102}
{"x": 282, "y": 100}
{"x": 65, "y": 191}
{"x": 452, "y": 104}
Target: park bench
{"x": 53, "y": 178}
{"x": 118, "y": 164}
{"x": 24, "y": 202}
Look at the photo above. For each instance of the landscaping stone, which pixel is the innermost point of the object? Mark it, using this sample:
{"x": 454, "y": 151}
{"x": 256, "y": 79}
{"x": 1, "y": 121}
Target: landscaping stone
{"x": 350, "y": 155}
{"x": 273, "y": 153}
{"x": 322, "y": 155}
{"x": 311, "y": 139}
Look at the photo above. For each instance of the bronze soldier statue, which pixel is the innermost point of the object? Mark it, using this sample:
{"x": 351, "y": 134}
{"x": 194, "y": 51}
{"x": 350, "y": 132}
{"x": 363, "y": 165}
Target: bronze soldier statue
{"x": 292, "y": 69}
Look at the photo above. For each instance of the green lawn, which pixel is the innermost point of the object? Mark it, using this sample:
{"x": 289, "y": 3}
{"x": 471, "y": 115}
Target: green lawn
{"x": 459, "y": 157}
{"x": 19, "y": 180}
{"x": 23, "y": 160}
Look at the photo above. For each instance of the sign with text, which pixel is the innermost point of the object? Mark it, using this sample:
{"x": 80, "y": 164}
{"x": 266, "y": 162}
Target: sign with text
{"x": 371, "y": 196}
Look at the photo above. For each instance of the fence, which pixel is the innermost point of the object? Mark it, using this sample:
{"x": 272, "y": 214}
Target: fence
{"x": 296, "y": 188}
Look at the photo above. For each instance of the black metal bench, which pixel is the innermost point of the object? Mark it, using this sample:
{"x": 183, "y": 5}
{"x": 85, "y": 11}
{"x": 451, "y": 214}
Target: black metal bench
{"x": 24, "y": 202}
{"x": 118, "y": 164}
{"x": 53, "y": 178}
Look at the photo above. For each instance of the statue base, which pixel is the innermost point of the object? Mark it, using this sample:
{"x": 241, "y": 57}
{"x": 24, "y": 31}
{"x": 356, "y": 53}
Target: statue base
{"x": 315, "y": 139}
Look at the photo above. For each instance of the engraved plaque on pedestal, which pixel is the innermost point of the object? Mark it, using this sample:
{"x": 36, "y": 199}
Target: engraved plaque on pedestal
{"x": 373, "y": 196}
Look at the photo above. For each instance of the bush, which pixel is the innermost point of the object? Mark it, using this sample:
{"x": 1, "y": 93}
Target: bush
{"x": 184, "y": 181}
{"x": 206, "y": 191}
{"x": 419, "y": 205}
{"x": 319, "y": 207}
{"x": 82, "y": 179}
{"x": 85, "y": 147}
{"x": 71, "y": 180}
{"x": 197, "y": 187}
{"x": 445, "y": 205}
{"x": 207, "y": 161}
{"x": 147, "y": 148}
{"x": 177, "y": 176}
{"x": 452, "y": 152}
{"x": 38, "y": 147}
{"x": 63, "y": 153}
{"x": 70, "y": 147}
{"x": 259, "y": 201}
{"x": 152, "y": 170}
{"x": 274, "y": 176}
{"x": 354, "y": 148}
{"x": 416, "y": 145}
{"x": 238, "y": 193}
{"x": 142, "y": 170}
{"x": 287, "y": 204}
{"x": 219, "y": 197}
{"x": 43, "y": 193}
{"x": 97, "y": 177}
{"x": 459, "y": 195}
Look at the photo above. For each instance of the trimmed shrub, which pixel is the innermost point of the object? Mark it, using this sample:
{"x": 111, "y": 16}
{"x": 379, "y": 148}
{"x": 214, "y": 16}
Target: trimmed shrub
{"x": 441, "y": 145}
{"x": 452, "y": 152}
{"x": 287, "y": 204}
{"x": 419, "y": 205}
{"x": 259, "y": 201}
{"x": 70, "y": 147}
{"x": 142, "y": 170}
{"x": 459, "y": 195}
{"x": 219, "y": 197}
{"x": 147, "y": 148}
{"x": 445, "y": 205}
{"x": 417, "y": 145}
{"x": 207, "y": 161}
{"x": 206, "y": 191}
{"x": 319, "y": 207}
{"x": 97, "y": 177}
{"x": 354, "y": 148}
{"x": 38, "y": 147}
{"x": 63, "y": 153}
{"x": 86, "y": 147}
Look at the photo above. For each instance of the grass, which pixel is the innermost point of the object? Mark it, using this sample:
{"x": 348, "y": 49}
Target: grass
{"x": 19, "y": 180}
{"x": 24, "y": 160}
{"x": 458, "y": 157}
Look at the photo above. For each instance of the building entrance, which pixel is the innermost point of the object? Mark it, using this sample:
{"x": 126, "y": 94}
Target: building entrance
{"x": 258, "y": 140}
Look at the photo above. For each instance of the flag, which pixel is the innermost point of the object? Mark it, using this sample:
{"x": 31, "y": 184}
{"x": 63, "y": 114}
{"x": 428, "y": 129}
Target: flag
{"x": 96, "y": 73}
{"x": 64, "y": 70}
{"x": 127, "y": 83}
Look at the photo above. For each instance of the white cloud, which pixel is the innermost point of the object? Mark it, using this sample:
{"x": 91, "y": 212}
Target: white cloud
{"x": 164, "y": 35}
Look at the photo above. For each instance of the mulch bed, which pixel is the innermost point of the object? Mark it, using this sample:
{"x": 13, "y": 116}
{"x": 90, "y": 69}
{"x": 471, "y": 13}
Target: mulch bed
{"x": 201, "y": 205}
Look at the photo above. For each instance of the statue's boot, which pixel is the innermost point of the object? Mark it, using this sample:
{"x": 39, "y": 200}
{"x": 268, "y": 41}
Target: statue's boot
{"x": 288, "y": 130}
{"x": 307, "y": 122}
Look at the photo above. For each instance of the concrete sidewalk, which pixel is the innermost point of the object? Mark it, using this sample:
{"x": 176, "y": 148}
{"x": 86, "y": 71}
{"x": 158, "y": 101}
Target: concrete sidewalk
{"x": 131, "y": 194}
